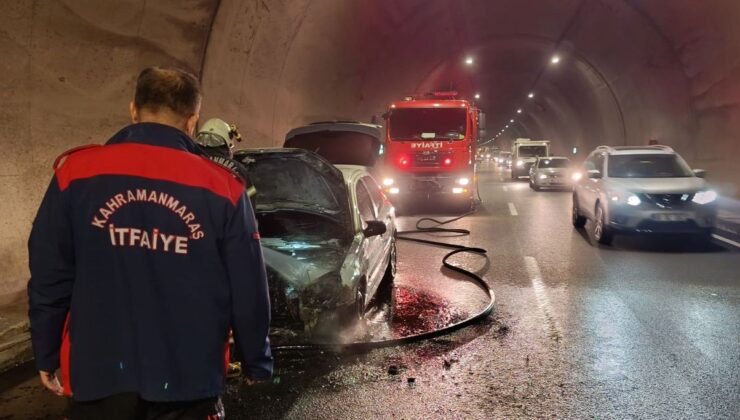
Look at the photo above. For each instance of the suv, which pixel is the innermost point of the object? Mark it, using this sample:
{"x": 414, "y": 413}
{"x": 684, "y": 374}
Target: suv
{"x": 642, "y": 190}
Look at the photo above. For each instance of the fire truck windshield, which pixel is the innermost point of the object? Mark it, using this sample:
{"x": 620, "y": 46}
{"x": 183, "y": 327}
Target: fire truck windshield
{"x": 428, "y": 123}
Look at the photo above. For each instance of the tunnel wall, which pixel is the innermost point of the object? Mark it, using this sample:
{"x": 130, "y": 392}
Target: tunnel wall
{"x": 633, "y": 70}
{"x": 67, "y": 76}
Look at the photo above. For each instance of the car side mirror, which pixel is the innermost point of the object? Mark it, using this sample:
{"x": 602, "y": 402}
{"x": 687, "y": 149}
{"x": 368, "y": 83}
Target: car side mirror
{"x": 701, "y": 173}
{"x": 374, "y": 228}
{"x": 594, "y": 173}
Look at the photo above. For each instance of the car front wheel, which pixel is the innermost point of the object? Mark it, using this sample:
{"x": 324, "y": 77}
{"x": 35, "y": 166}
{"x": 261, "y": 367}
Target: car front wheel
{"x": 602, "y": 233}
{"x": 578, "y": 220}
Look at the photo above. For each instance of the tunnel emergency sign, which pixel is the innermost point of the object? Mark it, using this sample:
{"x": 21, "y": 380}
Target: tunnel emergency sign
{"x": 151, "y": 239}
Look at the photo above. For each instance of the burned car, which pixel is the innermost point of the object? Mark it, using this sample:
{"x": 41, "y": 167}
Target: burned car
{"x": 328, "y": 237}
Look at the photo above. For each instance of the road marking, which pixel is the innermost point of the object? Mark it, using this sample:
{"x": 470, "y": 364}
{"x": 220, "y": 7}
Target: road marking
{"x": 725, "y": 240}
{"x": 540, "y": 293}
{"x": 506, "y": 188}
{"x": 512, "y": 210}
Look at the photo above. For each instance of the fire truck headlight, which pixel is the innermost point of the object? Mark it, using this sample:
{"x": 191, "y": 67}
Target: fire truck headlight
{"x": 519, "y": 163}
{"x": 463, "y": 181}
{"x": 394, "y": 190}
{"x": 388, "y": 182}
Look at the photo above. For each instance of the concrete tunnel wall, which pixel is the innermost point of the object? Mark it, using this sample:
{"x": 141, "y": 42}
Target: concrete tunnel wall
{"x": 631, "y": 71}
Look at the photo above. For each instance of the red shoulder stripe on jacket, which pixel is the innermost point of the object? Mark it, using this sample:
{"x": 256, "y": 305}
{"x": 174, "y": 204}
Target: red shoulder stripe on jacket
{"x": 152, "y": 162}
{"x": 60, "y": 159}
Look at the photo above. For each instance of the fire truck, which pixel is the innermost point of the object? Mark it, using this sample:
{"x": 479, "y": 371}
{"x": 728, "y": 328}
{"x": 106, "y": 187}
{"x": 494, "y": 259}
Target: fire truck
{"x": 429, "y": 150}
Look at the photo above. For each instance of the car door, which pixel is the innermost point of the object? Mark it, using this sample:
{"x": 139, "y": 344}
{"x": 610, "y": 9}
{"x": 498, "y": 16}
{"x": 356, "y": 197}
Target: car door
{"x": 372, "y": 246}
{"x": 384, "y": 212}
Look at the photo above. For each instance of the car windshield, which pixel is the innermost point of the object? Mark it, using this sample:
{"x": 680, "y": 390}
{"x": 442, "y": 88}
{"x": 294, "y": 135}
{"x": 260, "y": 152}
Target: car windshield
{"x": 648, "y": 166}
{"x": 428, "y": 123}
{"x": 290, "y": 184}
{"x": 554, "y": 163}
{"x": 532, "y": 151}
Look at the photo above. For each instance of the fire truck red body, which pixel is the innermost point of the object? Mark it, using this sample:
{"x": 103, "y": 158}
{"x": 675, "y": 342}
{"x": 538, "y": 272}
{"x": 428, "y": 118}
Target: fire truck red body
{"x": 430, "y": 148}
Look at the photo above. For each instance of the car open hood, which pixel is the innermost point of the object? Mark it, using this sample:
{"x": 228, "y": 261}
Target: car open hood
{"x": 678, "y": 185}
{"x": 341, "y": 143}
{"x": 296, "y": 179}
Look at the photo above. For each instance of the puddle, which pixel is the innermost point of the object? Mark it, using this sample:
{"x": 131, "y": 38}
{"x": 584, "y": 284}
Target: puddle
{"x": 404, "y": 312}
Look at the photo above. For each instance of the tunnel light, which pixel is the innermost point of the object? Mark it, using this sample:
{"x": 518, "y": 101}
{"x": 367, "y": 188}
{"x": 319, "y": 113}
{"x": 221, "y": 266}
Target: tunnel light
{"x": 477, "y": 96}
{"x": 555, "y": 59}
{"x": 511, "y": 120}
{"x": 507, "y": 126}
{"x": 436, "y": 105}
{"x": 519, "y": 111}
{"x": 393, "y": 105}
{"x": 531, "y": 95}
{"x": 575, "y": 150}
{"x": 469, "y": 61}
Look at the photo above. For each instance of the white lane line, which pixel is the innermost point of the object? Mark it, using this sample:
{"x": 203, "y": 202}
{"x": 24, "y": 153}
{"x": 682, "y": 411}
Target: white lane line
{"x": 506, "y": 188}
{"x": 725, "y": 240}
{"x": 512, "y": 210}
{"x": 540, "y": 293}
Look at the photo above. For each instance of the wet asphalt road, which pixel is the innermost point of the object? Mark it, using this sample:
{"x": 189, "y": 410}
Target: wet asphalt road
{"x": 647, "y": 328}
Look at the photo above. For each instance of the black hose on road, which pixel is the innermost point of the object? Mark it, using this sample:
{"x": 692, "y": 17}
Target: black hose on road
{"x": 473, "y": 277}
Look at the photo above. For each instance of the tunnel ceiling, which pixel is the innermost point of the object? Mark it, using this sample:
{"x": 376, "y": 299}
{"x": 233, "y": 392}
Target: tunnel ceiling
{"x": 631, "y": 71}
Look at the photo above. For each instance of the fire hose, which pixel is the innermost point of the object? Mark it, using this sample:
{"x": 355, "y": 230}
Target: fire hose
{"x": 435, "y": 227}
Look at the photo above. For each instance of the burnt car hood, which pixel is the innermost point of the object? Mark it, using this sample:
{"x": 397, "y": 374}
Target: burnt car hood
{"x": 295, "y": 179}
{"x": 339, "y": 142}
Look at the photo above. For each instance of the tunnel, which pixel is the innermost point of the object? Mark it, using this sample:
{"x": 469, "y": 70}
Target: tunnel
{"x": 629, "y": 72}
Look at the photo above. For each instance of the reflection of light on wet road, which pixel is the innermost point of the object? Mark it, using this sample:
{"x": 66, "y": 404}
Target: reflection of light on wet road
{"x": 541, "y": 294}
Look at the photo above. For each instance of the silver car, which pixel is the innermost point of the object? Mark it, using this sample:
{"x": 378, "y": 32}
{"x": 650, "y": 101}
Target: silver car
{"x": 550, "y": 172}
{"x": 328, "y": 237}
{"x": 646, "y": 189}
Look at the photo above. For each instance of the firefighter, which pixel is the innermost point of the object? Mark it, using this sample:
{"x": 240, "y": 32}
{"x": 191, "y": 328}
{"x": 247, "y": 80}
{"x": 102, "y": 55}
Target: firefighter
{"x": 216, "y": 137}
{"x": 144, "y": 254}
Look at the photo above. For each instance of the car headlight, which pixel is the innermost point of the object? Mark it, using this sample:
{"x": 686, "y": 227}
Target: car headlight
{"x": 463, "y": 181}
{"x": 324, "y": 292}
{"x": 576, "y": 176}
{"x": 628, "y": 198}
{"x": 488, "y": 156}
{"x": 543, "y": 176}
{"x": 704, "y": 197}
{"x": 388, "y": 182}
{"x": 394, "y": 190}
{"x": 519, "y": 163}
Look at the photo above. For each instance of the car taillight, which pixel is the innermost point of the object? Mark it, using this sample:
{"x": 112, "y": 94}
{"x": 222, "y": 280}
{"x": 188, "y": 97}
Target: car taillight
{"x": 447, "y": 161}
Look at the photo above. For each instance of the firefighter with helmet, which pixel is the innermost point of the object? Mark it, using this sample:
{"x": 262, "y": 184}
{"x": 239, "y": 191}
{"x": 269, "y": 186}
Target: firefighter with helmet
{"x": 217, "y": 137}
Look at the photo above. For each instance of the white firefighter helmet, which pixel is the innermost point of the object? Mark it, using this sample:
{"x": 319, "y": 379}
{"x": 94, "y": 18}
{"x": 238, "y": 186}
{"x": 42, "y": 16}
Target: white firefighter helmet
{"x": 217, "y": 133}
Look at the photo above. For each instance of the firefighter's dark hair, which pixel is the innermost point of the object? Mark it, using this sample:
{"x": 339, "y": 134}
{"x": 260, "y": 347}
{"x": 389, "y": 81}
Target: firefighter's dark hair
{"x": 175, "y": 89}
